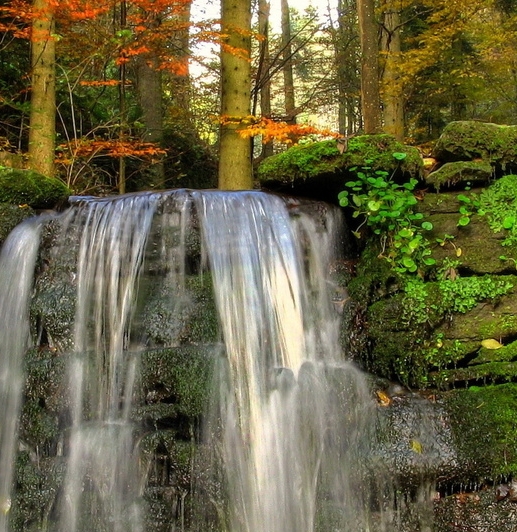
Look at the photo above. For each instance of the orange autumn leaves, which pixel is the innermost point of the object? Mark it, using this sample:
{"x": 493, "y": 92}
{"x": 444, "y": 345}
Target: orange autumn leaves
{"x": 275, "y": 130}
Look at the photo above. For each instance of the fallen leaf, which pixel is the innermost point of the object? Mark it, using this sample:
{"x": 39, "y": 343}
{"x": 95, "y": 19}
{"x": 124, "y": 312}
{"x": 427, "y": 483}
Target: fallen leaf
{"x": 383, "y": 398}
{"x": 490, "y": 343}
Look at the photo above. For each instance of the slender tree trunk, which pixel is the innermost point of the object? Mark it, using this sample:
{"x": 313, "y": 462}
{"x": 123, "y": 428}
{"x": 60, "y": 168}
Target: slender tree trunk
{"x": 263, "y": 75}
{"x": 287, "y": 70}
{"x": 370, "y": 87}
{"x": 346, "y": 55}
{"x": 393, "y": 98}
{"x": 42, "y": 132}
{"x": 149, "y": 91}
{"x": 235, "y": 170}
{"x": 122, "y": 108}
{"x": 180, "y": 82}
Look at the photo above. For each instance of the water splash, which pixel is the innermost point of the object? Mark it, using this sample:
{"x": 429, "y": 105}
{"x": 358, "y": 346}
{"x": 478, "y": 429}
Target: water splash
{"x": 17, "y": 262}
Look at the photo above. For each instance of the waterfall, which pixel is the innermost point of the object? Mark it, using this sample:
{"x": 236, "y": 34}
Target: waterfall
{"x": 281, "y": 337}
{"x": 17, "y": 262}
{"x": 290, "y": 422}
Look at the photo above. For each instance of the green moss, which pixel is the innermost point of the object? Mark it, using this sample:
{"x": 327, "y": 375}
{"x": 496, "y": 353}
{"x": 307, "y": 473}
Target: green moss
{"x": 408, "y": 341}
{"x": 303, "y": 162}
{"x": 25, "y": 187}
{"x": 460, "y": 173}
{"x": 484, "y": 424}
{"x": 467, "y": 140}
{"x": 177, "y": 376}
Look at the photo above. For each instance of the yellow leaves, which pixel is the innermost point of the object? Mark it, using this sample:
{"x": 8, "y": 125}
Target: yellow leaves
{"x": 491, "y": 343}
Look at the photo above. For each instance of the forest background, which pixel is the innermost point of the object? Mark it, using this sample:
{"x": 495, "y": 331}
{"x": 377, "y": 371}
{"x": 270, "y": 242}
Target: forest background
{"x": 121, "y": 95}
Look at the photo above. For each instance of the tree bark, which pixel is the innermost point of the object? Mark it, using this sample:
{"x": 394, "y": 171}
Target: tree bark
{"x": 149, "y": 91}
{"x": 345, "y": 42}
{"x": 370, "y": 86}
{"x": 235, "y": 169}
{"x": 263, "y": 76}
{"x": 42, "y": 132}
{"x": 287, "y": 69}
{"x": 393, "y": 98}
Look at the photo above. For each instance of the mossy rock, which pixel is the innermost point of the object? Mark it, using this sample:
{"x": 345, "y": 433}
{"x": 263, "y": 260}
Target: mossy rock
{"x": 426, "y": 334}
{"x": 26, "y": 187}
{"x": 319, "y": 169}
{"x": 469, "y": 140}
{"x": 11, "y": 216}
{"x": 460, "y": 174}
{"x": 484, "y": 424}
{"x": 178, "y": 379}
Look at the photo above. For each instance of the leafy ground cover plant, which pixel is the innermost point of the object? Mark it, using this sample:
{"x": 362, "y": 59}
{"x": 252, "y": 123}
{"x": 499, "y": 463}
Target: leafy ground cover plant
{"x": 389, "y": 209}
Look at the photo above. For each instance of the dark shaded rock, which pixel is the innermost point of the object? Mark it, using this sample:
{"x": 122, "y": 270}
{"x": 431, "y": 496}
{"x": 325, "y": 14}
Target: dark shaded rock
{"x": 460, "y": 174}
{"x": 476, "y": 511}
{"x": 11, "y": 216}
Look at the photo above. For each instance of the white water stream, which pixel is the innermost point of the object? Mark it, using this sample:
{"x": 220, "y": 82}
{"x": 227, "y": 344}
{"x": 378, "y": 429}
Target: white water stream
{"x": 292, "y": 419}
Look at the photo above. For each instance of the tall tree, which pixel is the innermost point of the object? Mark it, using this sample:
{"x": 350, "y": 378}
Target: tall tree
{"x": 344, "y": 39}
{"x": 392, "y": 94}
{"x": 370, "y": 87}
{"x": 235, "y": 170}
{"x": 42, "y": 130}
{"x": 287, "y": 69}
{"x": 263, "y": 81}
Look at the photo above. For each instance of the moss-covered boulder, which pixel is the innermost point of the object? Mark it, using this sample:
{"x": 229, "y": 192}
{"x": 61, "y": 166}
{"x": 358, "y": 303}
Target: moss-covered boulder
{"x": 484, "y": 424}
{"x": 319, "y": 169}
{"x": 461, "y": 174}
{"x": 26, "y": 187}
{"x": 469, "y": 140}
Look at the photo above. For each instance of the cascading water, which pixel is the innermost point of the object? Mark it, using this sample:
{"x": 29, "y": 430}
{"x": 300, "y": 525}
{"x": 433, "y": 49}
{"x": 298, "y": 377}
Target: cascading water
{"x": 281, "y": 337}
{"x": 290, "y": 423}
{"x": 16, "y": 272}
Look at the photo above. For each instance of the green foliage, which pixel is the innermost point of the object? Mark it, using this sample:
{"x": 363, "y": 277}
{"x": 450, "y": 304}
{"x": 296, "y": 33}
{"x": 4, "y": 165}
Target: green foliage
{"x": 423, "y": 300}
{"x": 388, "y": 208}
{"x": 499, "y": 202}
{"x": 469, "y": 205}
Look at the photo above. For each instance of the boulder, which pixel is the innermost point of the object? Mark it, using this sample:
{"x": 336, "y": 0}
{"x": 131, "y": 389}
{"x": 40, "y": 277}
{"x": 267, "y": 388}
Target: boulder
{"x": 26, "y": 187}
{"x": 319, "y": 169}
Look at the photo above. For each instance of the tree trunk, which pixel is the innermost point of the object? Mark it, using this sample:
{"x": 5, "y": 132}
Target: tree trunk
{"x": 149, "y": 91}
{"x": 235, "y": 170}
{"x": 263, "y": 75}
{"x": 370, "y": 87}
{"x": 393, "y": 98}
{"x": 346, "y": 55}
{"x": 287, "y": 69}
{"x": 42, "y": 132}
